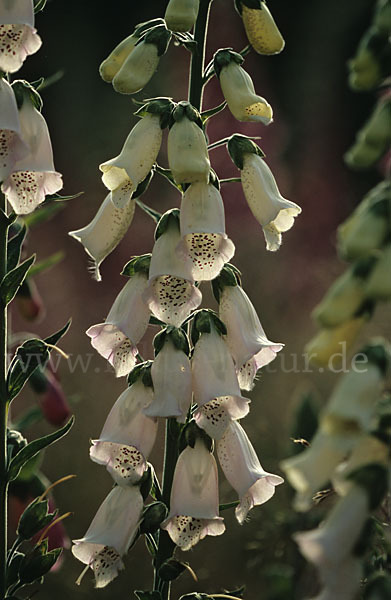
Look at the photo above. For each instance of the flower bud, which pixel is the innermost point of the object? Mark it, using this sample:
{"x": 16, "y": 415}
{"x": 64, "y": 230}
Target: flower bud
{"x": 181, "y": 15}
{"x": 378, "y": 284}
{"x": 373, "y": 139}
{"x": 34, "y": 518}
{"x": 382, "y": 16}
{"x": 238, "y": 89}
{"x": 37, "y": 563}
{"x": 142, "y": 62}
{"x": 261, "y": 29}
{"x": 370, "y": 64}
{"x": 186, "y": 146}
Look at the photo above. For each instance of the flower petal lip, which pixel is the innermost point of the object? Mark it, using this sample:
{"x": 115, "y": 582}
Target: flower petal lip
{"x": 215, "y": 416}
{"x": 18, "y": 37}
{"x": 105, "y": 231}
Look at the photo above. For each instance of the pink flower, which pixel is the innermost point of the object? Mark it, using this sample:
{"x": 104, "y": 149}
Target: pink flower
{"x": 127, "y": 437}
{"x": 110, "y": 534}
{"x": 194, "y": 504}
{"x": 33, "y": 176}
{"x": 18, "y": 38}
{"x": 53, "y": 402}
{"x": 202, "y": 223}
{"x": 171, "y": 294}
{"x": 125, "y": 325}
{"x": 243, "y": 470}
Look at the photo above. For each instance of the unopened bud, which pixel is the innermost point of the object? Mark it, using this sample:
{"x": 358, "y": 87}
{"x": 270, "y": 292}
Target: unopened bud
{"x": 261, "y": 29}
{"x": 181, "y": 15}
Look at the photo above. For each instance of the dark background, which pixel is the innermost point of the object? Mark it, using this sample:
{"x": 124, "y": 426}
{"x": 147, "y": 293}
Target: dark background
{"x": 315, "y": 119}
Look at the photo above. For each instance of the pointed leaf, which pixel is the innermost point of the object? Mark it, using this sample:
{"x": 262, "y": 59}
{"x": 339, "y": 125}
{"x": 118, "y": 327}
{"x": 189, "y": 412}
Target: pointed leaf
{"x": 154, "y": 214}
{"x": 34, "y": 447}
{"x": 212, "y": 111}
{"x": 55, "y": 337}
{"x": 47, "y": 263}
{"x": 13, "y": 280}
{"x": 14, "y": 248}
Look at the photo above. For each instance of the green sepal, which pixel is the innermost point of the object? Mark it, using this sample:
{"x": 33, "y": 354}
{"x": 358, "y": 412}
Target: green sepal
{"x": 238, "y": 145}
{"x": 228, "y": 276}
{"x": 34, "y": 518}
{"x": 28, "y": 357}
{"x": 37, "y": 563}
{"x": 157, "y": 106}
{"x": 377, "y": 352}
{"x": 146, "y": 481}
{"x": 171, "y": 569}
{"x": 191, "y": 433}
{"x": 15, "y": 442}
{"x": 224, "y": 57}
{"x": 204, "y": 321}
{"x": 153, "y": 515}
{"x": 155, "y": 595}
{"x": 381, "y": 208}
{"x": 141, "y": 371}
{"x": 176, "y": 335}
{"x": 34, "y": 447}
{"x": 160, "y": 36}
{"x": 214, "y": 180}
{"x": 366, "y": 309}
{"x": 211, "y": 112}
{"x": 363, "y": 267}
{"x": 143, "y": 185}
{"x": 185, "y": 110}
{"x": 170, "y": 218}
{"x": 374, "y": 479}
{"x": 24, "y": 91}
{"x": 138, "y": 264}
{"x": 14, "y": 248}
{"x": 12, "y": 575}
{"x": 13, "y": 280}
{"x": 141, "y": 28}
{"x": 255, "y": 4}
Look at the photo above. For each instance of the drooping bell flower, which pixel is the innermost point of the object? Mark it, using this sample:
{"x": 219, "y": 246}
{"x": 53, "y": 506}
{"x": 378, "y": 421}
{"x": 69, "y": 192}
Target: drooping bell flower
{"x": 238, "y": 89}
{"x": 194, "y": 503}
{"x": 142, "y": 62}
{"x": 345, "y": 296}
{"x": 123, "y": 173}
{"x": 186, "y": 146}
{"x": 128, "y": 436}
{"x": 171, "y": 376}
{"x": 12, "y": 146}
{"x": 181, "y": 15}
{"x": 29, "y": 301}
{"x": 245, "y": 337}
{"x": 33, "y": 176}
{"x": 368, "y": 226}
{"x": 105, "y": 231}
{"x": 202, "y": 224}
{"x": 215, "y": 384}
{"x": 18, "y": 37}
{"x": 171, "y": 293}
{"x": 378, "y": 284}
{"x": 243, "y": 470}
{"x": 272, "y": 211}
{"x": 261, "y": 29}
{"x": 110, "y": 534}
{"x": 112, "y": 64}
{"x": 126, "y": 323}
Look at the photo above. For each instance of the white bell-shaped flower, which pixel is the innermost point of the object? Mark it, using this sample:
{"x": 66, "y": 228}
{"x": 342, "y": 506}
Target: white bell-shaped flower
{"x": 137, "y": 69}
{"x": 271, "y": 210}
{"x": 239, "y": 93}
{"x": 243, "y": 470}
{"x": 110, "y": 534}
{"x": 194, "y": 503}
{"x": 128, "y": 436}
{"x": 215, "y": 385}
{"x": 123, "y": 173}
{"x": 18, "y": 37}
{"x": 125, "y": 325}
{"x": 342, "y": 581}
{"x": 171, "y": 294}
{"x": 105, "y": 231}
{"x": 334, "y": 540}
{"x": 313, "y": 468}
{"x": 33, "y": 176}
{"x": 245, "y": 338}
{"x": 188, "y": 152}
{"x": 12, "y": 146}
{"x": 356, "y": 395}
{"x": 181, "y": 15}
{"x": 172, "y": 383}
{"x": 202, "y": 224}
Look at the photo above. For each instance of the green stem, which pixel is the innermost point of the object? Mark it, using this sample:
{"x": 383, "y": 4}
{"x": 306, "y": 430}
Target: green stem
{"x": 196, "y": 84}
{"x": 3, "y": 405}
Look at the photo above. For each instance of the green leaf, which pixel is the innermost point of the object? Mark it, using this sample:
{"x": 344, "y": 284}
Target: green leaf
{"x": 228, "y": 505}
{"x": 47, "y": 263}
{"x": 28, "y": 357}
{"x": 55, "y": 337}
{"x": 34, "y": 518}
{"x": 13, "y": 280}
{"x": 154, "y": 214}
{"x": 148, "y": 595}
{"x": 14, "y": 248}
{"x": 37, "y": 563}
{"x": 34, "y": 447}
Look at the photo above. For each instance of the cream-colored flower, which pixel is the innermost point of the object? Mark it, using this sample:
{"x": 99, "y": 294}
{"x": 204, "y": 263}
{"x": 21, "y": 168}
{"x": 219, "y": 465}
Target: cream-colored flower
{"x": 181, "y": 15}
{"x": 112, "y": 64}
{"x": 187, "y": 152}
{"x": 261, "y": 29}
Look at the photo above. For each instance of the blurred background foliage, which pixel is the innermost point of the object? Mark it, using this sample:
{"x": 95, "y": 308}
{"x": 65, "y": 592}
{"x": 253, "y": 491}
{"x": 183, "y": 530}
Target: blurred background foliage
{"x": 316, "y": 117}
